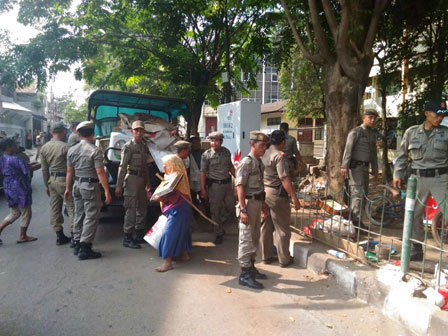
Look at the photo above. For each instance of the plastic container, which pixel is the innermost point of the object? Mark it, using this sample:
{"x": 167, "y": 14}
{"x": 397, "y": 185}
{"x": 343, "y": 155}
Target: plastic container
{"x": 337, "y": 254}
{"x": 117, "y": 140}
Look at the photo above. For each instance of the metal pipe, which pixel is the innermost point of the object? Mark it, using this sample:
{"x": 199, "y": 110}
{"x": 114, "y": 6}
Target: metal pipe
{"x": 408, "y": 223}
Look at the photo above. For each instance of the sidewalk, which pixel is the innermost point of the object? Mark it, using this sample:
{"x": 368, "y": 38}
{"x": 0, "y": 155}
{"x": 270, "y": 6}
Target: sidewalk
{"x": 378, "y": 287}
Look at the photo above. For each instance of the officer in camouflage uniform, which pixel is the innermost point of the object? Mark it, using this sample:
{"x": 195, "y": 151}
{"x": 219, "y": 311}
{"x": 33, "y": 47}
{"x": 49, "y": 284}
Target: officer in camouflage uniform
{"x": 360, "y": 153}
{"x": 278, "y": 188}
{"x": 54, "y": 171}
{"x": 251, "y": 196}
{"x": 426, "y": 147}
{"x": 292, "y": 153}
{"x": 85, "y": 166}
{"x": 216, "y": 186}
{"x": 133, "y": 174}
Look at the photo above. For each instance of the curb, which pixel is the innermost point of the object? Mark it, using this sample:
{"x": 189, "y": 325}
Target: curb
{"x": 363, "y": 282}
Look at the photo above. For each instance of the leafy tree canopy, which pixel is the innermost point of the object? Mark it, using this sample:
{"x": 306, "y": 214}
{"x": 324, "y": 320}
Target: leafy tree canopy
{"x": 302, "y": 85}
{"x": 175, "y": 47}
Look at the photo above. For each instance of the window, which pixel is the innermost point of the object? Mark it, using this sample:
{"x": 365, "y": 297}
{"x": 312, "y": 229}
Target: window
{"x": 318, "y": 131}
{"x": 274, "y": 77}
{"x": 274, "y": 121}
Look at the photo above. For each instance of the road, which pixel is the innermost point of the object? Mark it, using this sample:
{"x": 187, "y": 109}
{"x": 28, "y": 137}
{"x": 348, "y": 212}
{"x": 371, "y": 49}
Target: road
{"x": 45, "y": 290}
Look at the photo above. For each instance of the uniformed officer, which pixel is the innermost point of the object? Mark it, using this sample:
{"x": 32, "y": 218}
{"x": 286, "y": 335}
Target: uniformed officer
{"x": 251, "y": 196}
{"x": 278, "y": 188}
{"x": 216, "y": 186}
{"x": 54, "y": 172}
{"x": 85, "y": 165}
{"x": 73, "y": 139}
{"x": 292, "y": 153}
{"x": 183, "y": 150}
{"x": 360, "y": 153}
{"x": 133, "y": 174}
{"x": 426, "y": 147}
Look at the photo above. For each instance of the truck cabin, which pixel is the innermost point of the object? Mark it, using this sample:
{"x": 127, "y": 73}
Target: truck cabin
{"x": 105, "y": 107}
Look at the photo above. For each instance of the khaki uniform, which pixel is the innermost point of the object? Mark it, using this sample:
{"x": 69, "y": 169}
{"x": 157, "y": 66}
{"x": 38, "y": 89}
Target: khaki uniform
{"x": 85, "y": 158}
{"x": 217, "y": 165}
{"x": 73, "y": 139}
{"x": 249, "y": 174}
{"x": 54, "y": 169}
{"x": 133, "y": 174}
{"x": 429, "y": 164}
{"x": 360, "y": 152}
{"x": 277, "y": 200}
{"x": 40, "y": 140}
{"x": 292, "y": 153}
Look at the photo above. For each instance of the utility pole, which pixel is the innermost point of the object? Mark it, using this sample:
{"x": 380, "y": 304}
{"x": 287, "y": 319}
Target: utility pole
{"x": 226, "y": 75}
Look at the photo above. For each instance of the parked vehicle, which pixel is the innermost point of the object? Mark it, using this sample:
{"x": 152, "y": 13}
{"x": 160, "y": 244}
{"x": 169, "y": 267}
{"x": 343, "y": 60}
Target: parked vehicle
{"x": 111, "y": 112}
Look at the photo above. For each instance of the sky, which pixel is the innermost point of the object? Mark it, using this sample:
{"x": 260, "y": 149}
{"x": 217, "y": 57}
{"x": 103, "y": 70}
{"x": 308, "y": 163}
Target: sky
{"x": 64, "y": 82}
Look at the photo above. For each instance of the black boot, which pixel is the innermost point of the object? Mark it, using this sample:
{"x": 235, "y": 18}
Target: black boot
{"x": 139, "y": 236}
{"x": 416, "y": 252}
{"x": 246, "y": 279}
{"x": 61, "y": 238}
{"x": 128, "y": 241}
{"x": 255, "y": 273}
{"x": 72, "y": 241}
{"x": 76, "y": 247}
{"x": 86, "y": 252}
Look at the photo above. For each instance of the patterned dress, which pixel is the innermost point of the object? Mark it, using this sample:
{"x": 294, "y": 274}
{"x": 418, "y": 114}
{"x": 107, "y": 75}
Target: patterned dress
{"x": 16, "y": 181}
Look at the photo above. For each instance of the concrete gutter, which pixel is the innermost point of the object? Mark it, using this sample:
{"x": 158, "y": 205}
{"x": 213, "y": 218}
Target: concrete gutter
{"x": 367, "y": 284}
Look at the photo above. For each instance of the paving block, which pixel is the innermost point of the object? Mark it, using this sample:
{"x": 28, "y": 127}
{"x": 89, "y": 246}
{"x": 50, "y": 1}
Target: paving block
{"x": 317, "y": 263}
{"x": 343, "y": 274}
{"x": 439, "y": 323}
{"x": 415, "y": 313}
{"x": 300, "y": 251}
{"x": 369, "y": 289}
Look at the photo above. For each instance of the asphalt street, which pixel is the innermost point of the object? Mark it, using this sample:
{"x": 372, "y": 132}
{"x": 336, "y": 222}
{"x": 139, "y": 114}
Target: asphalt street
{"x": 46, "y": 290}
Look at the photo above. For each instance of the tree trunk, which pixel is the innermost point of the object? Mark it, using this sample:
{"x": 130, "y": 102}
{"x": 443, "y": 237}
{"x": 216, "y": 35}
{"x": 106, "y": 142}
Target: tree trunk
{"x": 387, "y": 174}
{"x": 343, "y": 98}
{"x": 196, "y": 111}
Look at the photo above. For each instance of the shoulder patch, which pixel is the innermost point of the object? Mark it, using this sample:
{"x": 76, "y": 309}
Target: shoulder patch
{"x": 245, "y": 172}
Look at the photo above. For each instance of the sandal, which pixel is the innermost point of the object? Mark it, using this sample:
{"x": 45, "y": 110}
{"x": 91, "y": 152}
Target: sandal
{"x": 27, "y": 239}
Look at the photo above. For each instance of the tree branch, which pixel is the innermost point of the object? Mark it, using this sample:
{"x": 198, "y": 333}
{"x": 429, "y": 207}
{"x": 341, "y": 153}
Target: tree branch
{"x": 312, "y": 57}
{"x": 380, "y": 6}
{"x": 355, "y": 48}
{"x": 332, "y": 23}
{"x": 321, "y": 41}
{"x": 347, "y": 64}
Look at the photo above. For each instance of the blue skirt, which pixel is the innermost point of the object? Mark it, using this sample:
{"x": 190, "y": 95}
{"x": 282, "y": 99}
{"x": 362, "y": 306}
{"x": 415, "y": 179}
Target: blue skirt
{"x": 176, "y": 236}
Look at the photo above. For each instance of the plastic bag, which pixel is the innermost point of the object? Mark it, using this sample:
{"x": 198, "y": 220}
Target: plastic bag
{"x": 154, "y": 235}
{"x": 340, "y": 226}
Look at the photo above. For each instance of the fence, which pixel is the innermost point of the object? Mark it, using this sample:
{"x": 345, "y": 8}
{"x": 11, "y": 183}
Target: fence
{"x": 381, "y": 233}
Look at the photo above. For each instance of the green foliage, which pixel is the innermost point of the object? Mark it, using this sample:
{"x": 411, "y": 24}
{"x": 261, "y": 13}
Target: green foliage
{"x": 302, "y": 84}
{"x": 427, "y": 36}
{"x": 167, "y": 47}
{"x": 71, "y": 111}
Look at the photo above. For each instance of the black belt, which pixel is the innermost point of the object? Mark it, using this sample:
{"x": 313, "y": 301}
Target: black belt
{"x": 429, "y": 172}
{"x": 135, "y": 172}
{"x": 226, "y": 181}
{"x": 359, "y": 163}
{"x": 257, "y": 197}
{"x": 58, "y": 174}
{"x": 87, "y": 179}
